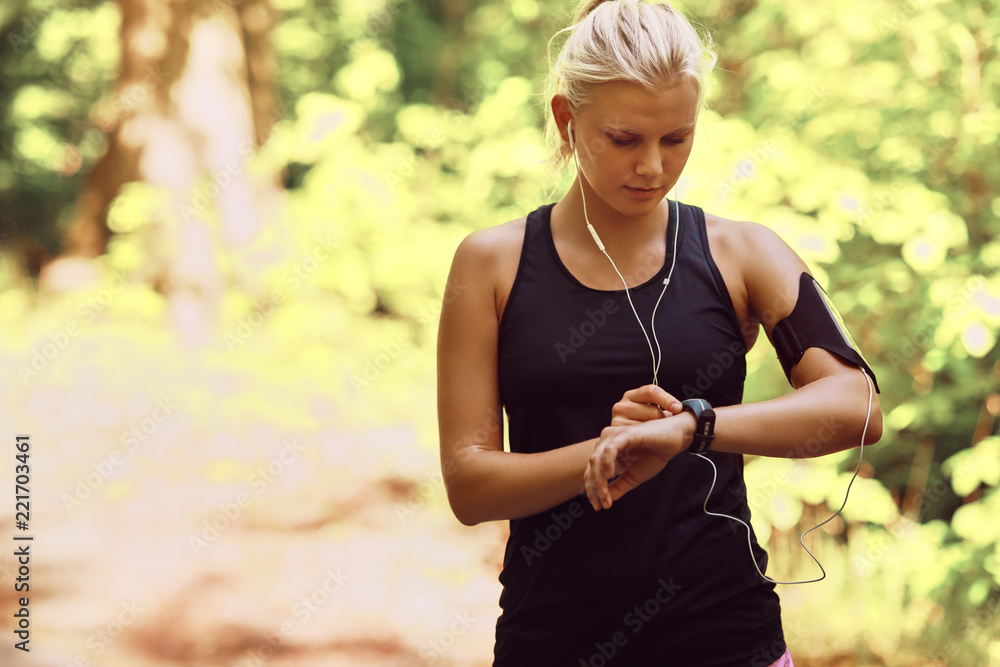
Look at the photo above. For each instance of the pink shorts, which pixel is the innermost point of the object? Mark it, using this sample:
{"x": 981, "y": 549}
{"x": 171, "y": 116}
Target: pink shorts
{"x": 784, "y": 661}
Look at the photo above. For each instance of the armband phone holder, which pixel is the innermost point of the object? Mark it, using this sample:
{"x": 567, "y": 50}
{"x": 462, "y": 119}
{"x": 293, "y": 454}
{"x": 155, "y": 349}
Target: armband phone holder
{"x": 815, "y": 322}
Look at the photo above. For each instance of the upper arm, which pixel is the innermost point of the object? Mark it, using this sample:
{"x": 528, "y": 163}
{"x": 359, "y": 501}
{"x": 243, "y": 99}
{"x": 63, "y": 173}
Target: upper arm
{"x": 469, "y": 410}
{"x": 773, "y": 287}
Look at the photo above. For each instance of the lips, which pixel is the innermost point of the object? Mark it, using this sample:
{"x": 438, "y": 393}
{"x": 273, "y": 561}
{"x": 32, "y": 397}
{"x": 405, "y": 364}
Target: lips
{"x": 642, "y": 193}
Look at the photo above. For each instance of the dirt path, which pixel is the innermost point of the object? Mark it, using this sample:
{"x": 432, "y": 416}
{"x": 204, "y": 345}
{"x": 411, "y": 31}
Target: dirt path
{"x": 231, "y": 541}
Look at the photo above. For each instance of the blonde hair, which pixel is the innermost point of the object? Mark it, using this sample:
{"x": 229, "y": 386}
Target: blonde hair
{"x": 643, "y": 41}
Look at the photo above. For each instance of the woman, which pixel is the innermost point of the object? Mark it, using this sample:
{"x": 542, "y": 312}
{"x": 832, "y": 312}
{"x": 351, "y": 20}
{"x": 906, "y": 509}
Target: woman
{"x": 635, "y": 573}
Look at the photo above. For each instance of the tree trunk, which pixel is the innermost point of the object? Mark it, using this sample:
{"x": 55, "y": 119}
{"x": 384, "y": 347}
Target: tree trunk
{"x": 193, "y": 101}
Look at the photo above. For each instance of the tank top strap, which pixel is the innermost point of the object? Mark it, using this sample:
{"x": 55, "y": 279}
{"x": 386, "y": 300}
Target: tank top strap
{"x": 695, "y": 224}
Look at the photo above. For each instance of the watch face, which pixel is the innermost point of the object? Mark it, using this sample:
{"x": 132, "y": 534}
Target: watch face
{"x": 835, "y": 314}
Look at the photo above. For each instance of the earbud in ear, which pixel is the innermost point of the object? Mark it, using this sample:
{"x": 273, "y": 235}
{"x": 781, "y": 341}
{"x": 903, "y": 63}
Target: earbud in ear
{"x": 569, "y": 131}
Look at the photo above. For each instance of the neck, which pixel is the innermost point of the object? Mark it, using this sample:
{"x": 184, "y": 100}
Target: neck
{"x": 622, "y": 235}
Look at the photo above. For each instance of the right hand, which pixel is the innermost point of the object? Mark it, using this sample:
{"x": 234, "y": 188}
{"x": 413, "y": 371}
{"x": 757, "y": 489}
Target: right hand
{"x": 626, "y": 456}
{"x": 644, "y": 404}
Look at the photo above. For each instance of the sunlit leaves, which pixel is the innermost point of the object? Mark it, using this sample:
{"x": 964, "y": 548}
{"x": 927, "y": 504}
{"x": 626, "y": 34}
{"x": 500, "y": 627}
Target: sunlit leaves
{"x": 78, "y": 33}
{"x": 322, "y": 123}
{"x": 425, "y": 126}
{"x": 868, "y": 501}
{"x": 39, "y": 148}
{"x": 133, "y": 207}
{"x": 34, "y": 101}
{"x": 864, "y": 132}
{"x": 296, "y": 37}
{"x": 975, "y": 466}
{"x": 371, "y": 73}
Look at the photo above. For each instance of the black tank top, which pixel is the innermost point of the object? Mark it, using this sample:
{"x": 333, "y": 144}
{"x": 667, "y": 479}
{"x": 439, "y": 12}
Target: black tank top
{"x": 653, "y": 580}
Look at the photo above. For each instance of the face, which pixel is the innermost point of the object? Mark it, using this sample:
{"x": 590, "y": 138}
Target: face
{"x": 633, "y": 143}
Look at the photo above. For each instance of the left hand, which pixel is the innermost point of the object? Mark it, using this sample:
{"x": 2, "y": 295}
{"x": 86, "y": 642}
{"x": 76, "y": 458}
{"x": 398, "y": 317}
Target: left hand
{"x": 639, "y": 451}
{"x": 644, "y": 404}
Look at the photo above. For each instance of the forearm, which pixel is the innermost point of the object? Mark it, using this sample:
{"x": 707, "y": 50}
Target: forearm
{"x": 823, "y": 417}
{"x": 489, "y": 485}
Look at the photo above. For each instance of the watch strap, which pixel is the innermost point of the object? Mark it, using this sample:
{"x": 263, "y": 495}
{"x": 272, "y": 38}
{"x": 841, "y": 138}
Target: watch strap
{"x": 704, "y": 430}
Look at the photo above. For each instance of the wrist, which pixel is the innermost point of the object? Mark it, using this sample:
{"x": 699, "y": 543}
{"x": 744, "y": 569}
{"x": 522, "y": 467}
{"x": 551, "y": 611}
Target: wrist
{"x": 687, "y": 423}
{"x": 704, "y": 431}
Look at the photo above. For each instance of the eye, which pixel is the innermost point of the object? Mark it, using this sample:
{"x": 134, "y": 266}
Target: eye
{"x": 620, "y": 141}
{"x": 675, "y": 141}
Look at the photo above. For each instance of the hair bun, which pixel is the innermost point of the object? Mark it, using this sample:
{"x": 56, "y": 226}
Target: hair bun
{"x": 646, "y": 42}
{"x": 587, "y": 6}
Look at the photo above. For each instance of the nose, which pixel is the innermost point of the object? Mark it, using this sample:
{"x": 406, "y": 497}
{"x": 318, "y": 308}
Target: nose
{"x": 650, "y": 164}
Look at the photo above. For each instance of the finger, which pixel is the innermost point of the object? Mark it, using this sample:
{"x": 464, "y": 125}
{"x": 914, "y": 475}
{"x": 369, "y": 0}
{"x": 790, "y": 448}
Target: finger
{"x": 593, "y": 486}
{"x": 597, "y": 481}
{"x": 588, "y": 484}
{"x": 619, "y": 488}
{"x": 608, "y": 464}
{"x": 655, "y": 395}
{"x": 626, "y": 412}
{"x": 600, "y": 471}
{"x": 621, "y": 420}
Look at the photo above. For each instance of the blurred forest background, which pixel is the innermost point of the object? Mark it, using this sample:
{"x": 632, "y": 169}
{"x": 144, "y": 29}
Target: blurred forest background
{"x": 225, "y": 232}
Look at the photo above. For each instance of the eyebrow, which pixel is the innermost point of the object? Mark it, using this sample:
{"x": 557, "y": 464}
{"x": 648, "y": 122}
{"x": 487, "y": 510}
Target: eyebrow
{"x": 677, "y": 132}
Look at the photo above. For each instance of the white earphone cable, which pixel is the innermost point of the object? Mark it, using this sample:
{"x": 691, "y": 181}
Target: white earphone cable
{"x": 861, "y": 456}
{"x": 658, "y": 357}
{"x": 666, "y": 281}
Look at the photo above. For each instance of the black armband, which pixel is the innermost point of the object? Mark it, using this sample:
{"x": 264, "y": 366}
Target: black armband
{"x": 815, "y": 322}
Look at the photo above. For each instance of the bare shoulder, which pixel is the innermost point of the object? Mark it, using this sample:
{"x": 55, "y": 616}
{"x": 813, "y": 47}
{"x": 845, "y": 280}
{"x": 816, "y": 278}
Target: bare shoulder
{"x": 760, "y": 270}
{"x": 736, "y": 238}
{"x": 759, "y": 260}
{"x": 490, "y": 256}
{"x": 727, "y": 249}
{"x": 495, "y": 243}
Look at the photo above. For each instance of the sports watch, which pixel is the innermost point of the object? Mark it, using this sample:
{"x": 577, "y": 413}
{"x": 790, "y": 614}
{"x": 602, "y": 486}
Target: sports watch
{"x": 704, "y": 430}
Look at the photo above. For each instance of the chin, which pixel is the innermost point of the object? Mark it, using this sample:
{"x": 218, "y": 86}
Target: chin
{"x": 638, "y": 208}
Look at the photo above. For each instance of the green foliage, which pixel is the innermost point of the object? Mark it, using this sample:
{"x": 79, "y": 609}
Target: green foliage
{"x": 56, "y": 61}
{"x": 863, "y": 132}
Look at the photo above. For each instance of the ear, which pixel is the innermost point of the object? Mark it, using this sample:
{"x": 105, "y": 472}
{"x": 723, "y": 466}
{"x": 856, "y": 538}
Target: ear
{"x": 562, "y": 114}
